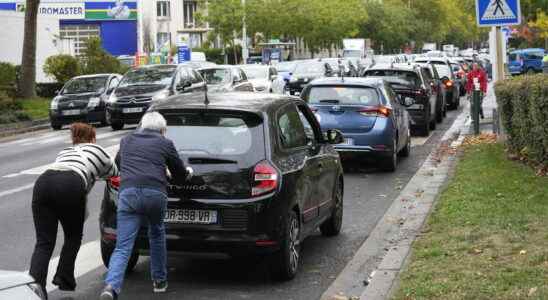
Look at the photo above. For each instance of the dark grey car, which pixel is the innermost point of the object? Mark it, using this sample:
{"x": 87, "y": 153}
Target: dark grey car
{"x": 19, "y": 285}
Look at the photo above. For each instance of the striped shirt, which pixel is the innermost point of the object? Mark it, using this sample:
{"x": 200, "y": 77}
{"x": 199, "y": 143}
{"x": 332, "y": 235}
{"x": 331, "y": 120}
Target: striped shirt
{"x": 90, "y": 161}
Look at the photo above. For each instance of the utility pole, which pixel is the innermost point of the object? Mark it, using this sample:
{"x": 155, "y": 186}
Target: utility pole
{"x": 245, "y": 51}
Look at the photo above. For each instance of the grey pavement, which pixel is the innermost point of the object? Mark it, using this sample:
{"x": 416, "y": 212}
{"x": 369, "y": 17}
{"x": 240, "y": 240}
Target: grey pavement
{"x": 369, "y": 193}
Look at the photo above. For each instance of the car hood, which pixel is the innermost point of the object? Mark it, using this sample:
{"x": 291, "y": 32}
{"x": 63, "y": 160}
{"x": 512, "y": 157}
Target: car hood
{"x": 10, "y": 279}
{"x": 83, "y": 96}
{"x": 259, "y": 82}
{"x": 138, "y": 90}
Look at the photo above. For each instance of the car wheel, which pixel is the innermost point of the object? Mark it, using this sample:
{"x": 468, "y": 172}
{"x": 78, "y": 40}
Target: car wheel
{"x": 56, "y": 126}
{"x": 433, "y": 124}
{"x": 106, "y": 253}
{"x": 425, "y": 129}
{"x": 390, "y": 163}
{"x": 439, "y": 114}
{"x": 117, "y": 125}
{"x": 332, "y": 226}
{"x": 285, "y": 263}
{"x": 531, "y": 71}
{"x": 406, "y": 151}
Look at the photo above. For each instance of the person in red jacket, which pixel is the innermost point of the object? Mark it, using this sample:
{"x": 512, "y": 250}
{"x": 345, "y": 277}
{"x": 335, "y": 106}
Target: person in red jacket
{"x": 477, "y": 75}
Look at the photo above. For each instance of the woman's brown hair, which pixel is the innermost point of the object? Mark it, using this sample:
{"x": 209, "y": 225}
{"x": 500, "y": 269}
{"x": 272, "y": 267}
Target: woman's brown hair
{"x": 82, "y": 133}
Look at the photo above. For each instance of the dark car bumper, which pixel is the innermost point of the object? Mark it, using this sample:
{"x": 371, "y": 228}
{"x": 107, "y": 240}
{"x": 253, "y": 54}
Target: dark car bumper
{"x": 87, "y": 115}
{"x": 296, "y": 86}
{"x": 119, "y": 112}
{"x": 241, "y": 229}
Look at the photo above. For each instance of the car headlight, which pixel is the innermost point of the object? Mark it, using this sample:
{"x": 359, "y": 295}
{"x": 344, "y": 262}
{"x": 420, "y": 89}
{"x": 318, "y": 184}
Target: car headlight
{"x": 54, "y": 103}
{"x": 305, "y": 79}
{"x": 37, "y": 289}
{"x": 161, "y": 95}
{"x": 93, "y": 102}
{"x": 112, "y": 98}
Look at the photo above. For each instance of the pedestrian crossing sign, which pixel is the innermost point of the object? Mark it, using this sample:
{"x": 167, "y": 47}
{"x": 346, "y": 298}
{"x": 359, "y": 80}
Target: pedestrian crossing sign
{"x": 498, "y": 12}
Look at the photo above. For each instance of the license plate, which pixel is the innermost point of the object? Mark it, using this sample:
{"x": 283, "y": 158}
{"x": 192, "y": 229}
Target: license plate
{"x": 131, "y": 110}
{"x": 191, "y": 216}
{"x": 347, "y": 142}
{"x": 71, "y": 112}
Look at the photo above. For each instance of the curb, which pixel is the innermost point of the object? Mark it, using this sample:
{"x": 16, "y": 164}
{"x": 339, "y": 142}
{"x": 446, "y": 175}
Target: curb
{"x": 389, "y": 244}
{"x": 23, "y": 127}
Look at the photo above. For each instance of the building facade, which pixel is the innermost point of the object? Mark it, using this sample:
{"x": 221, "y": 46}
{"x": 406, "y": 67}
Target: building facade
{"x": 114, "y": 21}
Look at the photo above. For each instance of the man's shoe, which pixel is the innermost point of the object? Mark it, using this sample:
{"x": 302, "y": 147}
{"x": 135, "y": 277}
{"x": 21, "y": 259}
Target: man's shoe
{"x": 63, "y": 284}
{"x": 108, "y": 294}
{"x": 159, "y": 286}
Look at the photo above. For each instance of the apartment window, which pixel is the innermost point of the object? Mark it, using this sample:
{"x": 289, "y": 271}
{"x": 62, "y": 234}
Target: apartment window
{"x": 163, "y": 9}
{"x": 79, "y": 34}
{"x": 163, "y": 39}
{"x": 189, "y": 10}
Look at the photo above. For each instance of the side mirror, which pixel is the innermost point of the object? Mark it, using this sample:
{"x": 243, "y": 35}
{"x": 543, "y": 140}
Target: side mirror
{"x": 235, "y": 79}
{"x": 57, "y": 92}
{"x": 334, "y": 136}
{"x": 408, "y": 101}
{"x": 110, "y": 90}
{"x": 182, "y": 86}
{"x": 273, "y": 77}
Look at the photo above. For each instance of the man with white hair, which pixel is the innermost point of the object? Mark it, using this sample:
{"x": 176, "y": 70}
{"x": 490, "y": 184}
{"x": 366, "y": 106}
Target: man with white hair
{"x": 143, "y": 157}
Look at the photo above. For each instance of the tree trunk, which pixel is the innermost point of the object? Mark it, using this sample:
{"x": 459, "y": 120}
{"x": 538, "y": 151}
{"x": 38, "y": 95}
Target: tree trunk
{"x": 27, "y": 81}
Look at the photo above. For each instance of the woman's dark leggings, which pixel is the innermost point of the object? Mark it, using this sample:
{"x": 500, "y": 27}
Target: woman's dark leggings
{"x": 58, "y": 196}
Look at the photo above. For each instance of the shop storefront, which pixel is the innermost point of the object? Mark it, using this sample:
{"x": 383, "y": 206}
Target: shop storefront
{"x": 114, "y": 21}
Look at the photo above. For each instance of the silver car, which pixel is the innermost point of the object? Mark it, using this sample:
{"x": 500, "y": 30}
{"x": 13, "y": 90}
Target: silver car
{"x": 20, "y": 286}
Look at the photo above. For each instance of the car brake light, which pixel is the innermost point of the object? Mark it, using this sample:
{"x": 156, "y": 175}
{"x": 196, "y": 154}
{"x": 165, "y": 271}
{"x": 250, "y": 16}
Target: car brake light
{"x": 375, "y": 111}
{"x": 115, "y": 181}
{"x": 449, "y": 84}
{"x": 265, "y": 179}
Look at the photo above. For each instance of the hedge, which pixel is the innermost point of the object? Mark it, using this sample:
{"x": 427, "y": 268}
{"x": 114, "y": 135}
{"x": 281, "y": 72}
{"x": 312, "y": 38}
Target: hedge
{"x": 523, "y": 102}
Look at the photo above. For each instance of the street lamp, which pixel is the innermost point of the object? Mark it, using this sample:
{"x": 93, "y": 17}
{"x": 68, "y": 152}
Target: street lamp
{"x": 245, "y": 51}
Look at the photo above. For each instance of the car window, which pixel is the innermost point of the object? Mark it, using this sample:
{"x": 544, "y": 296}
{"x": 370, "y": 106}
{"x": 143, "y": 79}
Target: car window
{"x": 513, "y": 57}
{"x": 391, "y": 95}
{"x": 409, "y": 77}
{"x": 291, "y": 129}
{"x": 183, "y": 76}
{"x": 159, "y": 75}
{"x": 221, "y": 134}
{"x": 194, "y": 78}
{"x": 444, "y": 70}
{"x": 242, "y": 74}
{"x": 535, "y": 55}
{"x": 216, "y": 76}
{"x": 309, "y": 131}
{"x": 348, "y": 95}
{"x": 114, "y": 83}
{"x": 85, "y": 85}
{"x": 306, "y": 68}
{"x": 427, "y": 75}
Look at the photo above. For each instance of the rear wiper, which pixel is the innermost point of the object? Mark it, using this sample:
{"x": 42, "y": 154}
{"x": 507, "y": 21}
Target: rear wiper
{"x": 209, "y": 161}
{"x": 330, "y": 101}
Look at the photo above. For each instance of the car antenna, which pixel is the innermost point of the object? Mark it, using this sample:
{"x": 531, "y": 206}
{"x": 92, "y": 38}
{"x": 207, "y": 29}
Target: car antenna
{"x": 206, "y": 100}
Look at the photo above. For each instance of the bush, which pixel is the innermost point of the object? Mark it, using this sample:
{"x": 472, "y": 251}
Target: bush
{"x": 62, "y": 67}
{"x": 11, "y": 110}
{"x": 7, "y": 74}
{"x": 96, "y": 60}
{"x": 7, "y": 103}
{"x": 523, "y": 102}
{"x": 48, "y": 90}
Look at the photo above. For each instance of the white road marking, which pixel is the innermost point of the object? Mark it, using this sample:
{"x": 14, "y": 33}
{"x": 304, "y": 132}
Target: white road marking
{"x": 88, "y": 259}
{"x": 419, "y": 141}
{"x": 16, "y": 190}
{"x": 41, "y": 169}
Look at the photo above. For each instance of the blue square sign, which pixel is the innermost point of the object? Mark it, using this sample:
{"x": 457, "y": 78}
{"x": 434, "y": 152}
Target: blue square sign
{"x": 498, "y": 12}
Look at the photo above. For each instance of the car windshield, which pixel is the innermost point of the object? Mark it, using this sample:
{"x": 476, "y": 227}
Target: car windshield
{"x": 411, "y": 78}
{"x": 256, "y": 72}
{"x": 86, "y": 85}
{"x": 443, "y": 70}
{"x": 307, "y": 68}
{"x": 220, "y": 134}
{"x": 149, "y": 76}
{"x": 216, "y": 76}
{"x": 286, "y": 67}
{"x": 343, "y": 95}
{"x": 352, "y": 53}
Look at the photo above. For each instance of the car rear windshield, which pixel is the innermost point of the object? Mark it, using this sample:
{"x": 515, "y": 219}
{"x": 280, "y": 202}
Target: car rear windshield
{"x": 216, "y": 133}
{"x": 149, "y": 76}
{"x": 86, "y": 85}
{"x": 256, "y": 72}
{"x": 307, "y": 68}
{"x": 409, "y": 77}
{"x": 443, "y": 70}
{"x": 343, "y": 95}
{"x": 216, "y": 76}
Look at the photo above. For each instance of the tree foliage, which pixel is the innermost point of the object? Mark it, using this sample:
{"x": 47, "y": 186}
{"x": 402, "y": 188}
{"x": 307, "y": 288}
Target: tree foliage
{"x": 62, "y": 67}
{"x": 96, "y": 60}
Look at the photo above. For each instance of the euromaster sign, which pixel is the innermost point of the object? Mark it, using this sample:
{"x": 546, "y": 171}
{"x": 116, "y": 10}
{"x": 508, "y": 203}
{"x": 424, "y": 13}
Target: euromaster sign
{"x": 80, "y": 10}
{"x": 63, "y": 10}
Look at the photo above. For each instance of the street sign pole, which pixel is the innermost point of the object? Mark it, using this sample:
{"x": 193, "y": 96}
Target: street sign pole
{"x": 499, "y": 56}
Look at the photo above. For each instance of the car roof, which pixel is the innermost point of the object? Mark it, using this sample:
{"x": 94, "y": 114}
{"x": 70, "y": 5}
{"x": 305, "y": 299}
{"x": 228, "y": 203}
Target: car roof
{"x": 237, "y": 101}
{"x": 364, "y": 81}
{"x": 438, "y": 59}
{"x": 96, "y": 75}
{"x": 395, "y": 66}
{"x": 219, "y": 67}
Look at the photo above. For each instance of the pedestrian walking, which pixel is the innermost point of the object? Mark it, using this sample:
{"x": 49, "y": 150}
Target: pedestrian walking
{"x": 144, "y": 156}
{"x": 60, "y": 196}
{"x": 477, "y": 75}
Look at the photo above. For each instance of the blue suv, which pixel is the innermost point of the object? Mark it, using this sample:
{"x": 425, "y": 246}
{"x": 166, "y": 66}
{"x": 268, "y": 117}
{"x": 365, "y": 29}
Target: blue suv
{"x": 525, "y": 61}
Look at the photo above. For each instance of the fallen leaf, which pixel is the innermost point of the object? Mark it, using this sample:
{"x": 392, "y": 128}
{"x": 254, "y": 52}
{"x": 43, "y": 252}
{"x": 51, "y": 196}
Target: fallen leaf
{"x": 532, "y": 291}
{"x": 478, "y": 251}
{"x": 523, "y": 252}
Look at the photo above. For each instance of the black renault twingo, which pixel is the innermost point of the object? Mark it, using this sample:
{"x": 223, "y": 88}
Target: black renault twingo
{"x": 265, "y": 178}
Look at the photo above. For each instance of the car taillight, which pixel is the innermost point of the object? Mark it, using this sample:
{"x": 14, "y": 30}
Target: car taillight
{"x": 449, "y": 84}
{"x": 375, "y": 111}
{"x": 115, "y": 181}
{"x": 265, "y": 179}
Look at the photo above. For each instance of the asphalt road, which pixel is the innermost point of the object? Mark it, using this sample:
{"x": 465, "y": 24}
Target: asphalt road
{"x": 368, "y": 194}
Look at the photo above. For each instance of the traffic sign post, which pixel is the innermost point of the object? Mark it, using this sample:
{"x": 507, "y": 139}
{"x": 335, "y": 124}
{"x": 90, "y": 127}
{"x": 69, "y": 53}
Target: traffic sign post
{"x": 498, "y": 13}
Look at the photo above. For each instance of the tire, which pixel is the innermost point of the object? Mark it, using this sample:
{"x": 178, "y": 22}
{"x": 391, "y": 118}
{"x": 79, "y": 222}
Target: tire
{"x": 332, "y": 226}
{"x": 439, "y": 114}
{"x": 433, "y": 124}
{"x": 389, "y": 164}
{"x": 531, "y": 71}
{"x": 56, "y": 126}
{"x": 406, "y": 151}
{"x": 284, "y": 264}
{"x": 106, "y": 253}
{"x": 117, "y": 125}
{"x": 425, "y": 128}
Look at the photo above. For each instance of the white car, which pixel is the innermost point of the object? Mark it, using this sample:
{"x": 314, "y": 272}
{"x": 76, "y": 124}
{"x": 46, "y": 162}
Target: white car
{"x": 18, "y": 285}
{"x": 264, "y": 79}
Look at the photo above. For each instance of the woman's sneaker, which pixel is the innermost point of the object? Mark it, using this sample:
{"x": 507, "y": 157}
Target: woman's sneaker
{"x": 108, "y": 294}
{"x": 159, "y": 286}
